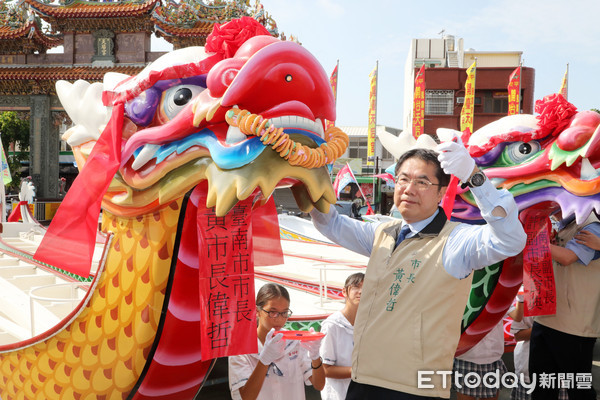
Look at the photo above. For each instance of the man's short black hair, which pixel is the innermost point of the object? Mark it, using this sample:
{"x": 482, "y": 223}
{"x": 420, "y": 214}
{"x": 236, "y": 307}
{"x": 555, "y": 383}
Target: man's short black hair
{"x": 429, "y": 156}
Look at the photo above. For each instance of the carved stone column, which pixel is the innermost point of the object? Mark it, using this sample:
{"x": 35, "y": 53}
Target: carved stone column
{"x": 44, "y": 148}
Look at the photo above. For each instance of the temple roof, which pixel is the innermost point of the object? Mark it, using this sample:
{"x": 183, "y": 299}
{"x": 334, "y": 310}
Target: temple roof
{"x": 70, "y": 23}
{"x": 87, "y": 16}
{"x": 182, "y": 23}
{"x": 26, "y": 39}
{"x": 42, "y": 80}
{"x": 189, "y": 22}
{"x": 92, "y": 9}
{"x": 21, "y": 33}
{"x": 65, "y": 73}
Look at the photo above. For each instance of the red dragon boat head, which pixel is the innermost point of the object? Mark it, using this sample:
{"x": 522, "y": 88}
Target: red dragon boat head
{"x": 175, "y": 131}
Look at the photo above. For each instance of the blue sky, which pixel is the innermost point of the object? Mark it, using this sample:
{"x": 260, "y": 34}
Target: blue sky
{"x": 550, "y": 33}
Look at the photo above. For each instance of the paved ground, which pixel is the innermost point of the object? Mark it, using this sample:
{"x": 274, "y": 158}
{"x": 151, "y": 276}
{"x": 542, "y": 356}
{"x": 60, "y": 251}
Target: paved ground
{"x": 217, "y": 387}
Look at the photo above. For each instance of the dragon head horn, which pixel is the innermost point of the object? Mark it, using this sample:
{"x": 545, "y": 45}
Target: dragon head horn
{"x": 83, "y": 103}
{"x": 398, "y": 145}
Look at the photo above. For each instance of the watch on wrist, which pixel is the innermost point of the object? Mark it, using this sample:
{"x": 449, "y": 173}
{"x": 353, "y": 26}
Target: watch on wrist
{"x": 476, "y": 180}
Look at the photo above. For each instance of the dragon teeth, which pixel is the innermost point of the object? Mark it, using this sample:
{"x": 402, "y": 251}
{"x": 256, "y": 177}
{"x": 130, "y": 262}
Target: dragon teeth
{"x": 319, "y": 126}
{"x": 293, "y": 121}
{"x": 234, "y": 135}
{"x": 588, "y": 172}
{"x": 146, "y": 154}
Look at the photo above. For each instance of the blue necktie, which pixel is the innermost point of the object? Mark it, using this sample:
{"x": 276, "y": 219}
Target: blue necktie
{"x": 402, "y": 235}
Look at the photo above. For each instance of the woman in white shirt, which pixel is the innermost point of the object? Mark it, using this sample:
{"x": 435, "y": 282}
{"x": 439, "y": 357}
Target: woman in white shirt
{"x": 281, "y": 367}
{"x": 336, "y": 348}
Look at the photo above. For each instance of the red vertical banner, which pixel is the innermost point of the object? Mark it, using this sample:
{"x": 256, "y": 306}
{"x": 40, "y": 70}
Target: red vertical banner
{"x": 265, "y": 235}
{"x": 226, "y": 271}
{"x": 333, "y": 80}
{"x": 514, "y": 92}
{"x": 372, "y": 117}
{"x": 418, "y": 123}
{"x": 466, "y": 114}
{"x": 538, "y": 273}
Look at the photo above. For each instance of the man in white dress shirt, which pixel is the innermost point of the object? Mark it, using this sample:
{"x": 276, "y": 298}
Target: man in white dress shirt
{"x": 418, "y": 277}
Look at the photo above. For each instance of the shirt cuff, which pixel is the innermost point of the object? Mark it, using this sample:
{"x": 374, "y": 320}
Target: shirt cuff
{"x": 488, "y": 198}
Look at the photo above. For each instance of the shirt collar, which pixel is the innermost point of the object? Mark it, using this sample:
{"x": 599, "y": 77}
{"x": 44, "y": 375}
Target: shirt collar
{"x": 418, "y": 226}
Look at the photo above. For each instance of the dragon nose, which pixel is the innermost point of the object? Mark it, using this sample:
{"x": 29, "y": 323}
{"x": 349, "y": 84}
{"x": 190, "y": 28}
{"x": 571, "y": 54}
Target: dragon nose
{"x": 580, "y": 131}
{"x": 574, "y": 137}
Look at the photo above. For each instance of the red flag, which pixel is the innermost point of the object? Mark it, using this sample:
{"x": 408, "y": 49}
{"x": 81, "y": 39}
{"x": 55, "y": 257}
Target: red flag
{"x": 15, "y": 215}
{"x": 387, "y": 177}
{"x": 418, "y": 123}
{"x": 333, "y": 82}
{"x": 514, "y": 92}
{"x": 75, "y": 224}
{"x": 342, "y": 179}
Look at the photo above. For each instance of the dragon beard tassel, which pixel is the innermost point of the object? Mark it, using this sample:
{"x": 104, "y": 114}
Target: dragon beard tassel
{"x": 297, "y": 154}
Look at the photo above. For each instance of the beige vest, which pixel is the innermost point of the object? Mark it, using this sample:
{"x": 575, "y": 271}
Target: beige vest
{"x": 409, "y": 315}
{"x": 577, "y": 293}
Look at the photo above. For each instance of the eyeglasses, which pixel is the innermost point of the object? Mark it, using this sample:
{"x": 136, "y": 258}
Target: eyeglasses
{"x": 275, "y": 314}
{"x": 419, "y": 183}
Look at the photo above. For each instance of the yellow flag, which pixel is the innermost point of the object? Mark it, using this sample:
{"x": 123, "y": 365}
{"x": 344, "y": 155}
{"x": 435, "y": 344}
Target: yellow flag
{"x": 466, "y": 114}
{"x": 372, "y": 117}
{"x": 564, "y": 87}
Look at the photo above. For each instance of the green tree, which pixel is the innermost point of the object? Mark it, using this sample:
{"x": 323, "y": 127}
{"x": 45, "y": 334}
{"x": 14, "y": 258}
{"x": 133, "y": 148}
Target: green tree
{"x": 14, "y": 133}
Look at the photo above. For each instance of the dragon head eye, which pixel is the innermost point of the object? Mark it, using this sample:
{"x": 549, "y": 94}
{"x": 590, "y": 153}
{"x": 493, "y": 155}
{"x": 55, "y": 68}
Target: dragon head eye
{"x": 520, "y": 151}
{"x": 182, "y": 96}
{"x": 288, "y": 78}
{"x": 525, "y": 148}
{"x": 177, "y": 97}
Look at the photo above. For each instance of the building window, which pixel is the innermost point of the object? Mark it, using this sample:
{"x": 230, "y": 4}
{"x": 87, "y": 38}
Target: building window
{"x": 357, "y": 148}
{"x": 495, "y": 102}
{"x": 461, "y": 100}
{"x": 439, "y": 102}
